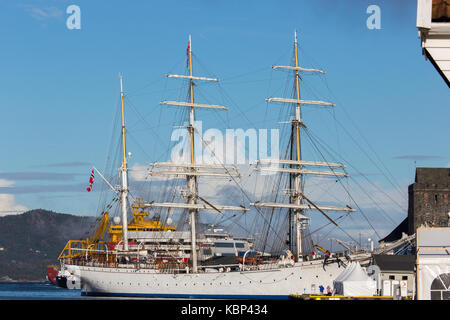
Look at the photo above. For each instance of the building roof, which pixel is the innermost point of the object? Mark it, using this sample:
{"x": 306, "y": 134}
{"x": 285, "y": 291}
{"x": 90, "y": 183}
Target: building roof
{"x": 396, "y": 234}
{"x": 388, "y": 262}
{"x": 437, "y": 67}
{"x": 433, "y": 176}
{"x": 433, "y": 23}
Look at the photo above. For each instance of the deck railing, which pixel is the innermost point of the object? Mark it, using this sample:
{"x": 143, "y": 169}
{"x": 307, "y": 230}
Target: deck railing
{"x": 115, "y": 259}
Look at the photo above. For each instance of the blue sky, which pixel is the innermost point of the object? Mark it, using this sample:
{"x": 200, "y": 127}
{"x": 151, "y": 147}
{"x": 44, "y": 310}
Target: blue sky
{"x": 59, "y": 87}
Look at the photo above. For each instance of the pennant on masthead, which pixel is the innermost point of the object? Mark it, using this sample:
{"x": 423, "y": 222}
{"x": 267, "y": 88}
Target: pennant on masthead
{"x": 187, "y": 52}
{"x": 91, "y": 181}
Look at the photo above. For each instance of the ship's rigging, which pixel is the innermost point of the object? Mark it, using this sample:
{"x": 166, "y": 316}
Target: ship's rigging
{"x": 295, "y": 170}
{"x": 142, "y": 255}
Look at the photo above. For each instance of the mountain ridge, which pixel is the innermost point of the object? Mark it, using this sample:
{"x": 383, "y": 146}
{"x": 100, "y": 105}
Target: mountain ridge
{"x": 34, "y": 239}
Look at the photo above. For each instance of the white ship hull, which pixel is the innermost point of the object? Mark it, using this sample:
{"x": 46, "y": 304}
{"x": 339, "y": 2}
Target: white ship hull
{"x": 301, "y": 278}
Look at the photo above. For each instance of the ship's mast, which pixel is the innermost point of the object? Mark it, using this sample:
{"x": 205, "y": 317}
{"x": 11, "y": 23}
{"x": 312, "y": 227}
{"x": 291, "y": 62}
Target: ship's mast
{"x": 297, "y": 177}
{"x": 298, "y": 167}
{"x": 191, "y": 180}
{"x": 191, "y": 170}
{"x": 124, "y": 175}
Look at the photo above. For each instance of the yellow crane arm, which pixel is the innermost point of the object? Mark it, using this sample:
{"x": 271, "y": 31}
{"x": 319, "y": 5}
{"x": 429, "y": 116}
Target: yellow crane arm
{"x": 101, "y": 229}
{"x": 318, "y": 247}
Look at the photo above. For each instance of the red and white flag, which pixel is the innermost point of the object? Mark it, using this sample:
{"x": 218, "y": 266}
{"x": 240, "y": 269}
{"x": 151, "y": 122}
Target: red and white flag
{"x": 187, "y": 53}
{"x": 91, "y": 181}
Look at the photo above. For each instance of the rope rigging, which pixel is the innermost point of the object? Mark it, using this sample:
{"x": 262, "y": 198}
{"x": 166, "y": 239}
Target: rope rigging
{"x": 272, "y": 221}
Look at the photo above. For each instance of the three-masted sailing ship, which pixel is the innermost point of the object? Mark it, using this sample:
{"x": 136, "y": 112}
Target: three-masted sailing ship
{"x": 248, "y": 276}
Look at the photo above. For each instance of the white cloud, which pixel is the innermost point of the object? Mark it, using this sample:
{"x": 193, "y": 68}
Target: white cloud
{"x": 43, "y": 13}
{"x": 139, "y": 172}
{"x": 8, "y": 204}
{"x": 6, "y": 183}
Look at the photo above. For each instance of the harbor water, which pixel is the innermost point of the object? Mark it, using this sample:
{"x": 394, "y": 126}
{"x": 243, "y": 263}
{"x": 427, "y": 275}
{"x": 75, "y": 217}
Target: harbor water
{"x": 36, "y": 291}
{"x": 48, "y": 291}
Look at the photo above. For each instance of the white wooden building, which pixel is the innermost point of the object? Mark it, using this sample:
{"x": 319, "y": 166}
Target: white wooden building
{"x": 433, "y": 23}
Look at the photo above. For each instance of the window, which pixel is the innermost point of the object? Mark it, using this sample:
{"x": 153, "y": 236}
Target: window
{"x": 239, "y": 245}
{"x": 439, "y": 287}
{"x": 404, "y": 277}
{"x": 224, "y": 245}
{"x": 391, "y": 277}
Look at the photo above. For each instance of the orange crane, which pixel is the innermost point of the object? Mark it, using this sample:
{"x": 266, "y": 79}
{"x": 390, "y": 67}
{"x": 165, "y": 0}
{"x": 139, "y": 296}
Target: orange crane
{"x": 320, "y": 248}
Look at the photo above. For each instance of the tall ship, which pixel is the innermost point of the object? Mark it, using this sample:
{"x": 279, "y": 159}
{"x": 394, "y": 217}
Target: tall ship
{"x": 148, "y": 236}
{"x": 171, "y": 263}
